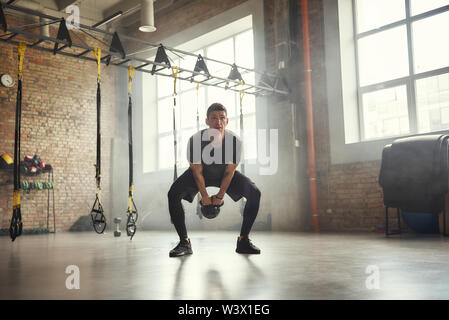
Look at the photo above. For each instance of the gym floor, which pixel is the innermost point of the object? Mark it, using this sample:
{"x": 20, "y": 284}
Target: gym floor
{"x": 291, "y": 266}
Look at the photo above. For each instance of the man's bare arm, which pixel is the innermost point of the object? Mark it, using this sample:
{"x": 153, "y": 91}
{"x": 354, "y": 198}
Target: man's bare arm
{"x": 197, "y": 170}
{"x": 226, "y": 180}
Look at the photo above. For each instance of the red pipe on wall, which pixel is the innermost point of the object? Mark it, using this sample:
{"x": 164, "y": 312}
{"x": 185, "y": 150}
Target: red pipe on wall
{"x": 310, "y": 140}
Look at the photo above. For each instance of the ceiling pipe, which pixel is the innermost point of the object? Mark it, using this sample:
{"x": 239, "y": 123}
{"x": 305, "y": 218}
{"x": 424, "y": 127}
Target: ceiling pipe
{"x": 109, "y": 19}
{"x": 147, "y": 16}
{"x": 45, "y": 28}
{"x": 309, "y": 111}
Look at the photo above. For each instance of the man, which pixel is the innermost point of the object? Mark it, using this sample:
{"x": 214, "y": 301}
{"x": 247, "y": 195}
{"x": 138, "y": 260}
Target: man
{"x": 213, "y": 155}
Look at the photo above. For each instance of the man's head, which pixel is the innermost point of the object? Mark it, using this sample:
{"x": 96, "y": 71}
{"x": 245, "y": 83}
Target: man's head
{"x": 217, "y": 117}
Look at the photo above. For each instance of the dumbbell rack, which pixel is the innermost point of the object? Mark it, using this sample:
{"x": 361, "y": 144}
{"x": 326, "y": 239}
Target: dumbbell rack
{"x": 50, "y": 178}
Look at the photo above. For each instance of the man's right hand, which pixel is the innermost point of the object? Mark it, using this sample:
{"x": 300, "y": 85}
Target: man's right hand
{"x": 206, "y": 201}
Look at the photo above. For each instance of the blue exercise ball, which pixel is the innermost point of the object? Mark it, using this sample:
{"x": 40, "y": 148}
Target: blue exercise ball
{"x": 422, "y": 222}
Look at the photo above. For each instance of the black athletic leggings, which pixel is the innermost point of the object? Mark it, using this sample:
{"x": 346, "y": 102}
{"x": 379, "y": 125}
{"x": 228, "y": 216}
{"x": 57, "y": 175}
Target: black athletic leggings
{"x": 185, "y": 188}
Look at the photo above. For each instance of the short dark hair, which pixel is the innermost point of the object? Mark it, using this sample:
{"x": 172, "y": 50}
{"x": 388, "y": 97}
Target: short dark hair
{"x": 216, "y": 107}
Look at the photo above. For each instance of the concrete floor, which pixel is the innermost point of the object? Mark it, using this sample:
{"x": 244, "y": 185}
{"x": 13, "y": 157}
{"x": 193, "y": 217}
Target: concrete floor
{"x": 291, "y": 266}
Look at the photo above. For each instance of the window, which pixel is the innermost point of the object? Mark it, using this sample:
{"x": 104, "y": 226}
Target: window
{"x": 237, "y": 48}
{"x": 402, "y": 66}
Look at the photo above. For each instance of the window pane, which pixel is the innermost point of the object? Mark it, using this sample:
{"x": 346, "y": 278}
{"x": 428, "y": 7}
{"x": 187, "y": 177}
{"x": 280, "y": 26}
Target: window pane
{"x": 430, "y": 47}
{"x": 165, "y": 115}
{"x": 385, "y": 112}
{"x": 420, "y": 6}
{"x": 248, "y": 104}
{"x": 234, "y": 126}
{"x": 244, "y": 47}
{"x": 225, "y": 97}
{"x": 164, "y": 86}
{"x": 372, "y": 14}
{"x": 222, "y": 51}
{"x": 188, "y": 106}
{"x": 383, "y": 56}
{"x": 166, "y": 152}
{"x": 189, "y": 101}
{"x": 432, "y": 103}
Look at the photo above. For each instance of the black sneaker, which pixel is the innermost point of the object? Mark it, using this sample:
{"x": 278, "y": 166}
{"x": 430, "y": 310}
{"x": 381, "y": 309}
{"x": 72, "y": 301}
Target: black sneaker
{"x": 245, "y": 246}
{"x": 183, "y": 248}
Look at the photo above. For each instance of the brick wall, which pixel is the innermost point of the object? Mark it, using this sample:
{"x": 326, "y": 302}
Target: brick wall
{"x": 59, "y": 124}
{"x": 353, "y": 194}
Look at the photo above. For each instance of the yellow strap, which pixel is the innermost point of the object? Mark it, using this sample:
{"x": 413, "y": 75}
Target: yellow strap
{"x": 242, "y": 93}
{"x": 197, "y": 101}
{"x": 97, "y": 53}
{"x": 131, "y": 70}
{"x": 21, "y": 50}
{"x": 16, "y": 201}
{"x": 130, "y": 199}
{"x": 197, "y": 93}
{"x": 174, "y": 72}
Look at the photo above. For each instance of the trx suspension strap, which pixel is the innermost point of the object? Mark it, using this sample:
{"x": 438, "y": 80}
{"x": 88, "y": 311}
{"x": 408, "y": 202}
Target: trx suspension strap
{"x": 198, "y": 204}
{"x": 97, "y": 212}
{"x": 132, "y": 210}
{"x": 175, "y": 71}
{"x": 15, "y": 228}
{"x": 242, "y": 165}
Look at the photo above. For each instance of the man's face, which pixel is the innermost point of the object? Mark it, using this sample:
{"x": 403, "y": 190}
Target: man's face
{"x": 217, "y": 120}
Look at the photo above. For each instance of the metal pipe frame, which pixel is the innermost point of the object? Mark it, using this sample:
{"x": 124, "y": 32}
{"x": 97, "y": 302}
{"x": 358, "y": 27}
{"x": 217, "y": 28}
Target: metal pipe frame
{"x": 124, "y": 62}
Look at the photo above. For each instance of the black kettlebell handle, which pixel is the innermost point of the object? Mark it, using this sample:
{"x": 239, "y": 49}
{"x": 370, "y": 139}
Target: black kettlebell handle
{"x": 211, "y": 205}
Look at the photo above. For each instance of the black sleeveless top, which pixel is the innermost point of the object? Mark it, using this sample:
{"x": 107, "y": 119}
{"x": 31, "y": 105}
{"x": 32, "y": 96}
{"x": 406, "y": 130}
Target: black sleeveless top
{"x": 214, "y": 156}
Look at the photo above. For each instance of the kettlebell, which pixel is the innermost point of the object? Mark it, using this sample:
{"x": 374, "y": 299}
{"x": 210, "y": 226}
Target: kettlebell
{"x": 210, "y": 211}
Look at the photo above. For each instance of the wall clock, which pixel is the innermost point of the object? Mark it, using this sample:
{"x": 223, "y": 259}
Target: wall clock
{"x": 7, "y": 80}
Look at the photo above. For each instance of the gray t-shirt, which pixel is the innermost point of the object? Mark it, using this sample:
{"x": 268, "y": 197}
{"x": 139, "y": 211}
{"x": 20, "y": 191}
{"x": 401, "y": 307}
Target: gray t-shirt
{"x": 214, "y": 156}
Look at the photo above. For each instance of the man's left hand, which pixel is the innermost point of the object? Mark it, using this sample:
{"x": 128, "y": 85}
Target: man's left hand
{"x": 216, "y": 201}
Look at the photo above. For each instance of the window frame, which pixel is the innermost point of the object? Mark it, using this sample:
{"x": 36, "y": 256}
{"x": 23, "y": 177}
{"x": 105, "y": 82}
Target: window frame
{"x": 409, "y": 81}
{"x": 179, "y": 131}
